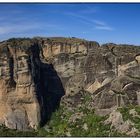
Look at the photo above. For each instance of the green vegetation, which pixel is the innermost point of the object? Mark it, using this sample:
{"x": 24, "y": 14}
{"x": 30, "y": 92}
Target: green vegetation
{"x": 6, "y": 132}
{"x": 77, "y": 120}
{"x": 125, "y": 112}
{"x": 90, "y": 125}
{"x": 81, "y": 123}
{"x": 127, "y": 116}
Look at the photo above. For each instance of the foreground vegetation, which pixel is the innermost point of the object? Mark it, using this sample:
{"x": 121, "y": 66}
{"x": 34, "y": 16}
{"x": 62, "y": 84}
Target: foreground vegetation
{"x": 66, "y": 124}
{"x": 84, "y": 123}
{"x": 77, "y": 121}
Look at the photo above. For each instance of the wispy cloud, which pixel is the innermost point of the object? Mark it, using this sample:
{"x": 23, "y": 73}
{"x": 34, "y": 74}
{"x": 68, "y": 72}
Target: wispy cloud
{"x": 27, "y": 26}
{"x": 19, "y": 21}
{"x": 17, "y": 28}
{"x": 96, "y": 24}
{"x": 104, "y": 27}
{"x": 100, "y": 25}
{"x": 24, "y": 24}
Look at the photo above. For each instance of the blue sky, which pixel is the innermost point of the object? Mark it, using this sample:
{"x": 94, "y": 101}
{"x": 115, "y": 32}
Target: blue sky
{"x": 117, "y": 23}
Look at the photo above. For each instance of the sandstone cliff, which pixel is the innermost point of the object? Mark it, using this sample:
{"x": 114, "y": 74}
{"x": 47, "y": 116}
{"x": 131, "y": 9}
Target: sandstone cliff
{"x": 30, "y": 90}
{"x": 31, "y": 72}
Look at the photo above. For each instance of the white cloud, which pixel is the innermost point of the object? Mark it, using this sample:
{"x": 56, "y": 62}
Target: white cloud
{"x": 97, "y": 24}
{"x": 107, "y": 28}
{"x": 17, "y": 28}
{"x": 27, "y": 27}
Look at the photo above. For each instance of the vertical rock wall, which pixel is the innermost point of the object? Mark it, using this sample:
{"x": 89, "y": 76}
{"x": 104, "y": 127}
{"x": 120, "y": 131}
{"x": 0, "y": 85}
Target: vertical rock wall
{"x": 36, "y": 73}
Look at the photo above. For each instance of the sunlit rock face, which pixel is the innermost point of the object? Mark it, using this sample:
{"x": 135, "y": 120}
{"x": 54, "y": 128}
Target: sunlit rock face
{"x": 19, "y": 105}
{"x": 31, "y": 72}
{"x": 30, "y": 89}
{"x": 111, "y": 72}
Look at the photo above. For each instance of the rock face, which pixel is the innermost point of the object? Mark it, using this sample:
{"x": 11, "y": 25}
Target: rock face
{"x": 117, "y": 122}
{"x": 29, "y": 89}
{"x": 31, "y": 72}
{"x": 110, "y": 72}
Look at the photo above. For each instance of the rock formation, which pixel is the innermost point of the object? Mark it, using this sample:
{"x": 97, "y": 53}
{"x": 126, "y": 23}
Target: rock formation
{"x": 111, "y": 72}
{"x": 31, "y": 72}
{"x": 30, "y": 90}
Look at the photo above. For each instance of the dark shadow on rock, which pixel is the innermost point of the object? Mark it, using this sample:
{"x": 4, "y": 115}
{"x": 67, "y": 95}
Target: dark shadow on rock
{"x": 49, "y": 88}
{"x": 52, "y": 91}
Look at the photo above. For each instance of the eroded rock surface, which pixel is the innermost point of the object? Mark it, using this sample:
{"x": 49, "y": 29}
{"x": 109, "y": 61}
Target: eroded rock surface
{"x": 31, "y": 72}
{"x": 110, "y": 72}
{"x": 30, "y": 90}
{"x": 117, "y": 122}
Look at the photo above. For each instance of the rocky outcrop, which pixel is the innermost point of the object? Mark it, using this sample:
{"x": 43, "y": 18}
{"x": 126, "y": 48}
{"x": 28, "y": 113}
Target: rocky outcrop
{"x": 31, "y": 72}
{"x": 110, "y": 72}
{"x": 30, "y": 90}
{"x": 117, "y": 123}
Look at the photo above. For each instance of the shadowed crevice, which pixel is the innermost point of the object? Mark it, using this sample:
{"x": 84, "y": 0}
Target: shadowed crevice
{"x": 49, "y": 88}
